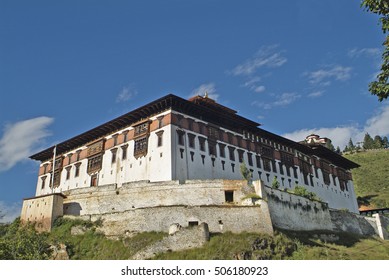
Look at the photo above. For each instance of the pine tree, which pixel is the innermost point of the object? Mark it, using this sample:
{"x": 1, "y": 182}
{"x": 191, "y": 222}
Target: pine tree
{"x": 351, "y": 145}
{"x": 368, "y": 142}
{"x": 385, "y": 143}
{"x": 378, "y": 142}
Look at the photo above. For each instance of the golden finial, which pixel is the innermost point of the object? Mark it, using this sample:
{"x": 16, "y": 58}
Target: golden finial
{"x": 206, "y": 95}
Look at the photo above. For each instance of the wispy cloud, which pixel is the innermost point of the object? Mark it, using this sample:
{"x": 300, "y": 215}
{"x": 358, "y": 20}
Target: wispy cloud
{"x": 126, "y": 94}
{"x": 9, "y": 211}
{"x": 21, "y": 139}
{"x": 316, "y": 94}
{"x": 286, "y": 99}
{"x": 367, "y": 52}
{"x": 378, "y": 124}
{"x": 208, "y": 88}
{"x": 254, "y": 85}
{"x": 282, "y": 100}
{"x": 326, "y": 75}
{"x": 252, "y": 69}
{"x": 267, "y": 56}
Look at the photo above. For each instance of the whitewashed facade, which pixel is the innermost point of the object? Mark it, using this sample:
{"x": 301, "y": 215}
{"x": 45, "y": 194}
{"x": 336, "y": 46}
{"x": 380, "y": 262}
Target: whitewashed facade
{"x": 176, "y": 139}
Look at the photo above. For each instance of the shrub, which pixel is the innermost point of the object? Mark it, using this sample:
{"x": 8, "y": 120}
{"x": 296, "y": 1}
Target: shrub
{"x": 302, "y": 191}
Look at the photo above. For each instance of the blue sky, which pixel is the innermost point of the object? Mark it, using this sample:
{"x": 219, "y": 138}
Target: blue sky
{"x": 296, "y": 67}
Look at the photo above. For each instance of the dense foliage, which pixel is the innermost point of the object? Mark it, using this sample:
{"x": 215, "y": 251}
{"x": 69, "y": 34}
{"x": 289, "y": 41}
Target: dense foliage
{"x": 22, "y": 243}
{"x": 380, "y": 87}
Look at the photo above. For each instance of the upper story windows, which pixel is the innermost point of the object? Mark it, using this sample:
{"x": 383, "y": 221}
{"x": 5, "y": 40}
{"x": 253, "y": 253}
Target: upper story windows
{"x": 141, "y": 129}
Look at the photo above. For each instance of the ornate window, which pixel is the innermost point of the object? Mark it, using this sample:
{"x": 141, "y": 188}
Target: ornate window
{"x": 140, "y": 147}
{"x": 267, "y": 164}
{"x": 213, "y": 133}
{"x": 95, "y": 163}
{"x": 267, "y": 152}
{"x": 141, "y": 129}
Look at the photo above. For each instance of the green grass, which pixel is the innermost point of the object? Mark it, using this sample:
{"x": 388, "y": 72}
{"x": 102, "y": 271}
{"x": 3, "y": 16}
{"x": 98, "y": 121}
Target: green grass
{"x": 95, "y": 246}
{"x": 284, "y": 246}
{"x": 371, "y": 180}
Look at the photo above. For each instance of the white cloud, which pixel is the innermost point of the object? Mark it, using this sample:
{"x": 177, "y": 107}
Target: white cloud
{"x": 126, "y": 94}
{"x": 10, "y": 211}
{"x": 326, "y": 75}
{"x": 316, "y": 94}
{"x": 259, "y": 89}
{"x": 339, "y": 135}
{"x": 286, "y": 99}
{"x": 21, "y": 139}
{"x": 378, "y": 124}
{"x": 267, "y": 56}
{"x": 281, "y": 100}
{"x": 367, "y": 52}
{"x": 209, "y": 88}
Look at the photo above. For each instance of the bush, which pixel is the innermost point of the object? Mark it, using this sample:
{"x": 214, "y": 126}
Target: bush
{"x": 302, "y": 191}
{"x": 23, "y": 243}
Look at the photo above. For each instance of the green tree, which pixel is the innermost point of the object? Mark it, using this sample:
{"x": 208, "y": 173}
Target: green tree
{"x": 23, "y": 243}
{"x": 275, "y": 184}
{"x": 368, "y": 142}
{"x": 378, "y": 142}
{"x": 245, "y": 172}
{"x": 385, "y": 143}
{"x": 380, "y": 87}
{"x": 351, "y": 145}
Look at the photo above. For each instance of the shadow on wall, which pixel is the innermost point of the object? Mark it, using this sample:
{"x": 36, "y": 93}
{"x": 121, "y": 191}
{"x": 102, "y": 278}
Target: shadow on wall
{"x": 72, "y": 208}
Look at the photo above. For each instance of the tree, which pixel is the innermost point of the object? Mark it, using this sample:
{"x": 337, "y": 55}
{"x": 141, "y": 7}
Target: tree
{"x": 368, "y": 142}
{"x": 245, "y": 172}
{"x": 378, "y": 142}
{"x": 351, "y": 145}
{"x": 385, "y": 143}
{"x": 23, "y": 243}
{"x": 380, "y": 87}
{"x": 275, "y": 184}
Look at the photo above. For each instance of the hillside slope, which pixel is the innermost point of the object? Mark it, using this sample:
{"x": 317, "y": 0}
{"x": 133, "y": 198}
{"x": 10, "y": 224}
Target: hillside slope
{"x": 371, "y": 180}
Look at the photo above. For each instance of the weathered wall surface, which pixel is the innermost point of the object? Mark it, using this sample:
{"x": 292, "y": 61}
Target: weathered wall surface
{"x": 292, "y": 212}
{"x": 42, "y": 211}
{"x": 382, "y": 226}
{"x": 144, "y": 206}
{"x": 219, "y": 219}
{"x": 345, "y": 221}
{"x": 109, "y": 199}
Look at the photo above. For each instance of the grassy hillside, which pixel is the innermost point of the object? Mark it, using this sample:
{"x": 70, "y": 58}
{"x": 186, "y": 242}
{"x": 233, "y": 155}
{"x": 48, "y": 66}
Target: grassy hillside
{"x": 24, "y": 243}
{"x": 372, "y": 178}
